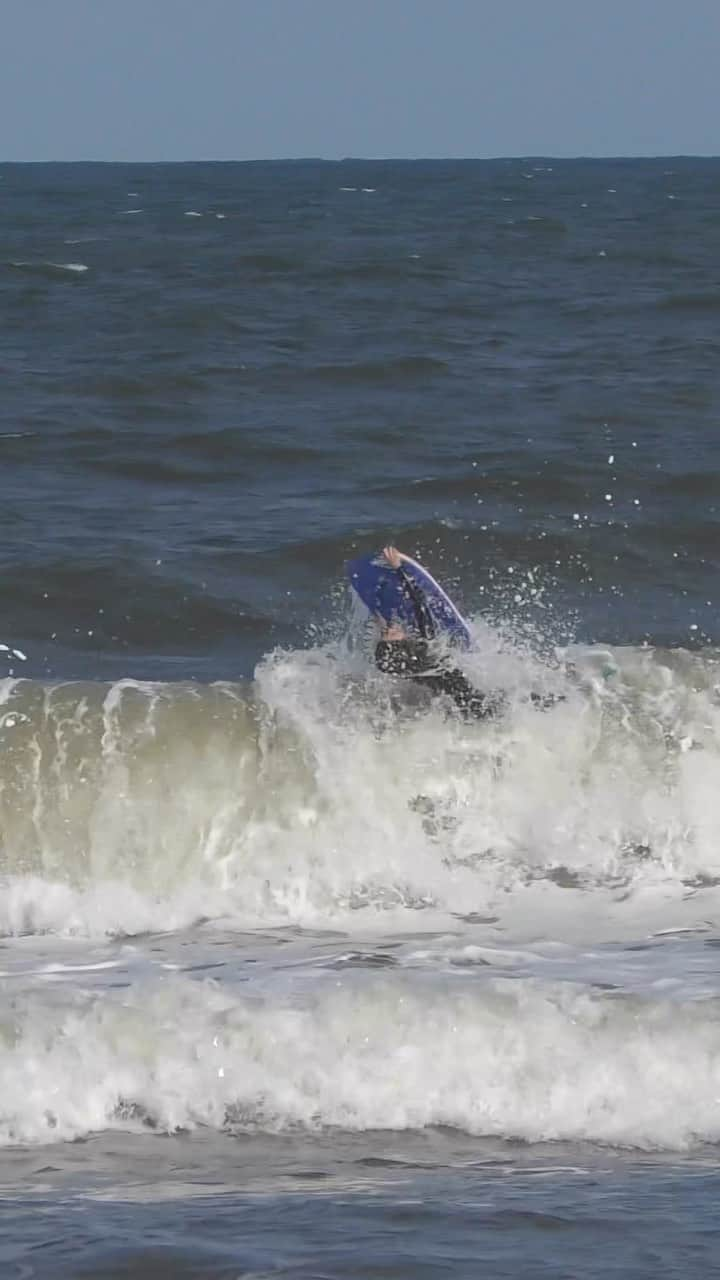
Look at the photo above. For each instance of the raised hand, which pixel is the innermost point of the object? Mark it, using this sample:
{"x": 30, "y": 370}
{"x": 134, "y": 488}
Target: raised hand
{"x": 393, "y": 557}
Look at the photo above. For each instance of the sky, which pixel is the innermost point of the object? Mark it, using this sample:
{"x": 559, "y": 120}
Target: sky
{"x": 264, "y": 79}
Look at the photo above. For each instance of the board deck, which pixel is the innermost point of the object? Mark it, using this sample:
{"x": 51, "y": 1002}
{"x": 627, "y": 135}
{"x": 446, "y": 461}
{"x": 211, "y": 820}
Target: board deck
{"x": 385, "y": 592}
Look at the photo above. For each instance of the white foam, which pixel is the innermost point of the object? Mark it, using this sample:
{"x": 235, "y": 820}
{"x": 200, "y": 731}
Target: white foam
{"x": 56, "y": 266}
{"x": 39, "y": 905}
{"x": 5, "y": 648}
{"x": 155, "y": 805}
{"x": 510, "y": 1058}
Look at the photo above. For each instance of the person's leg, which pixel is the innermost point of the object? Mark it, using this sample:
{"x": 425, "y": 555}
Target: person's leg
{"x": 454, "y": 684}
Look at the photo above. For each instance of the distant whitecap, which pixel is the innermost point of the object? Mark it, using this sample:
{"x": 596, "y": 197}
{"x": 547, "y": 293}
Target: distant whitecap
{"x": 23, "y": 264}
{"x": 192, "y": 213}
{"x": 68, "y": 266}
{"x": 17, "y": 653}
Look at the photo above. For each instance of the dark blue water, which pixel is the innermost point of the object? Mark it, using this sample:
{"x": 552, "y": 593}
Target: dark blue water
{"x": 203, "y": 422}
{"x": 292, "y": 982}
{"x": 382, "y": 1218}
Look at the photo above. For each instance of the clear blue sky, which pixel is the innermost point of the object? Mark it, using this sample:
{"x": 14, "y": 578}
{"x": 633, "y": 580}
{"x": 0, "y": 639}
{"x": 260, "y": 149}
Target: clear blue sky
{"x": 249, "y": 79}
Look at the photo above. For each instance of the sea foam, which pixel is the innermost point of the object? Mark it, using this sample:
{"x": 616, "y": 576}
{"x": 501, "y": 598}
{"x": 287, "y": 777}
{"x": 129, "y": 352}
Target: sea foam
{"x": 517, "y": 1060}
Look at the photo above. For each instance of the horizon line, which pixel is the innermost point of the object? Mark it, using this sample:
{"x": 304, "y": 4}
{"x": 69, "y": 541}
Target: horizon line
{"x": 369, "y": 159}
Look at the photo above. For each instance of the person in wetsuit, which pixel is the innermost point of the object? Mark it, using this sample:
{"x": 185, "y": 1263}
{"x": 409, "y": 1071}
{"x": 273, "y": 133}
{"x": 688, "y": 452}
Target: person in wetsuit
{"x": 411, "y": 657}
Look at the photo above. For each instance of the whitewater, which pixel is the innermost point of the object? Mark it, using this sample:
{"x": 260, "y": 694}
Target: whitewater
{"x": 314, "y": 900}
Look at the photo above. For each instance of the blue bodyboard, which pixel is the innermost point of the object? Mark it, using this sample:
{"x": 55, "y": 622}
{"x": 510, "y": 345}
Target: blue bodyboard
{"x": 388, "y": 594}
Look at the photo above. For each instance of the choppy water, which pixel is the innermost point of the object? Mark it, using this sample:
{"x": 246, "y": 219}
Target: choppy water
{"x": 298, "y": 975}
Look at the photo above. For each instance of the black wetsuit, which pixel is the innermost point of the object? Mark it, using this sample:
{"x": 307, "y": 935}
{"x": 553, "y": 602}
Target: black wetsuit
{"x": 413, "y": 660}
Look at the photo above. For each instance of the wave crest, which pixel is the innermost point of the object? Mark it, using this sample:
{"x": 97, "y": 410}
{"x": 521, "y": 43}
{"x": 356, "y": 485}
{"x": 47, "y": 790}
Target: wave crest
{"x": 323, "y": 792}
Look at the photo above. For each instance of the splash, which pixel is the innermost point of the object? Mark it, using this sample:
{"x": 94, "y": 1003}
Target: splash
{"x": 324, "y": 793}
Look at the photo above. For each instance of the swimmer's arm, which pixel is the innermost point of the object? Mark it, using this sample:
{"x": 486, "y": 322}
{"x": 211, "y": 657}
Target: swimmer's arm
{"x": 425, "y": 620}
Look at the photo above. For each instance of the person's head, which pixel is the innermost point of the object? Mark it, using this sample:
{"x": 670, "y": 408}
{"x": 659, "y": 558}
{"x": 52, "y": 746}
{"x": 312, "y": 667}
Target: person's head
{"x": 394, "y": 631}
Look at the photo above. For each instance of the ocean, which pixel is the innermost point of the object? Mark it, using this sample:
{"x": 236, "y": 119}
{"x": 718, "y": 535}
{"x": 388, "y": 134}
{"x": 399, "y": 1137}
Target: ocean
{"x": 302, "y": 974}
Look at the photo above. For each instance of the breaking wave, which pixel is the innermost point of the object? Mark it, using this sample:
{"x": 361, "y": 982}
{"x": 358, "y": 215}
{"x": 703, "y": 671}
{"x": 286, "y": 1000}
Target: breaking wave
{"x": 320, "y": 793}
{"x": 512, "y": 1059}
